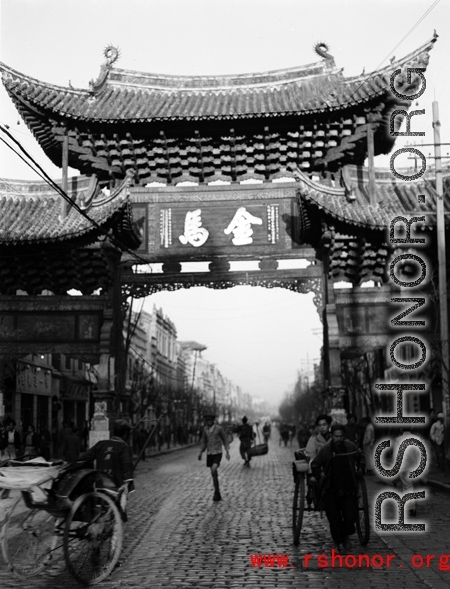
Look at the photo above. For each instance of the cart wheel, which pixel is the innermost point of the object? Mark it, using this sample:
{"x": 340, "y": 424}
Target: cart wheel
{"x": 298, "y": 507}
{"x": 28, "y": 539}
{"x": 362, "y": 519}
{"x": 92, "y": 538}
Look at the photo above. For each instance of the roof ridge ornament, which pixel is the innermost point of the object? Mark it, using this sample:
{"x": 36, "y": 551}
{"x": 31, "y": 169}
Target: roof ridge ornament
{"x": 323, "y": 50}
{"x": 111, "y": 55}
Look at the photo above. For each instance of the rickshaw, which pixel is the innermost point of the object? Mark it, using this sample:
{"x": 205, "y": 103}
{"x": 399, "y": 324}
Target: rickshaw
{"x": 302, "y": 491}
{"x": 60, "y": 506}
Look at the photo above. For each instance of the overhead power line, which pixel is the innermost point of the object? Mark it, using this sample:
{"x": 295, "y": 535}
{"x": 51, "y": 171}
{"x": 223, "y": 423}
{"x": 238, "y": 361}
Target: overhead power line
{"x": 37, "y": 168}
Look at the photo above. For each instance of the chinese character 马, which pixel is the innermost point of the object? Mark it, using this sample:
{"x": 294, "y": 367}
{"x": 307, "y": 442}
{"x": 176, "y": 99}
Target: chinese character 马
{"x": 194, "y": 233}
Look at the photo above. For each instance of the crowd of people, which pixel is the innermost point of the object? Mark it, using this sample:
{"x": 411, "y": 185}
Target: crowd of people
{"x": 28, "y": 442}
{"x": 338, "y": 453}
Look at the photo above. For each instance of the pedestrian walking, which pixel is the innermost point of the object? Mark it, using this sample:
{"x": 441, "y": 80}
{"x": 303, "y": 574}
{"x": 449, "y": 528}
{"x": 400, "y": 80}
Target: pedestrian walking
{"x": 71, "y": 445}
{"x": 337, "y": 463}
{"x": 213, "y": 438}
{"x": 44, "y": 441}
{"x": 368, "y": 443}
{"x": 437, "y": 435}
{"x": 31, "y": 442}
{"x": 11, "y": 441}
{"x": 302, "y": 435}
{"x": 284, "y": 433}
{"x": 266, "y": 431}
{"x": 351, "y": 429}
{"x": 246, "y": 437}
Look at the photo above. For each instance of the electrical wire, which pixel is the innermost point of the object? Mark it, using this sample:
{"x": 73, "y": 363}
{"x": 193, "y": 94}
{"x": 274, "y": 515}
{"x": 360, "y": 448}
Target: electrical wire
{"x": 44, "y": 176}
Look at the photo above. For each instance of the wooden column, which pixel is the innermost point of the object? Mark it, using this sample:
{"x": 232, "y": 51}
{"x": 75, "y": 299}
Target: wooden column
{"x": 65, "y": 177}
{"x": 370, "y": 155}
{"x": 112, "y": 367}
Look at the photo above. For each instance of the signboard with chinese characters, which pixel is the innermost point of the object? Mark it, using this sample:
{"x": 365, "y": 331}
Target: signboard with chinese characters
{"x": 194, "y": 224}
{"x": 45, "y": 324}
{"x": 35, "y": 380}
{"x": 364, "y": 316}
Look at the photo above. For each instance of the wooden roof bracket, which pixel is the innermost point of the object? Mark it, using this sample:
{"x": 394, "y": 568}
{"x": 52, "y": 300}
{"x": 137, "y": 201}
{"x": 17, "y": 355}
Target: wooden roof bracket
{"x": 347, "y": 184}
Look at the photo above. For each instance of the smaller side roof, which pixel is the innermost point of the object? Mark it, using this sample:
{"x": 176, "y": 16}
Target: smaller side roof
{"x": 31, "y": 214}
{"x": 348, "y": 204}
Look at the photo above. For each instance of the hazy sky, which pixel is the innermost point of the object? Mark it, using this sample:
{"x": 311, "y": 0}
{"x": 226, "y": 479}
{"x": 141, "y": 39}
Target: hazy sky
{"x": 259, "y": 338}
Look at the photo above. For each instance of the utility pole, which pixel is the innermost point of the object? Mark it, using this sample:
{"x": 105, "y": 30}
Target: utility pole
{"x": 442, "y": 269}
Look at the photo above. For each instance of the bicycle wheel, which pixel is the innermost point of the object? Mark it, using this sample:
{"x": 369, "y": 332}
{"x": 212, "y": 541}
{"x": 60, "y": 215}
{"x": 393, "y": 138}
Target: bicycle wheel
{"x": 298, "y": 507}
{"x": 92, "y": 538}
{"x": 28, "y": 539}
{"x": 362, "y": 518}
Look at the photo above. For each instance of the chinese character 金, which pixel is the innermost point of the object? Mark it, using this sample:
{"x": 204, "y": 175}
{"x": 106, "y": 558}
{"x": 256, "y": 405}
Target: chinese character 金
{"x": 241, "y": 227}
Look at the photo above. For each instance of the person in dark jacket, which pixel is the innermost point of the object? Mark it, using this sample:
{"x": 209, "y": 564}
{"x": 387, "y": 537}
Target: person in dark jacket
{"x": 71, "y": 445}
{"x": 44, "y": 441}
{"x": 246, "y": 436}
{"x": 337, "y": 463}
{"x": 30, "y": 442}
{"x": 114, "y": 456}
{"x": 11, "y": 441}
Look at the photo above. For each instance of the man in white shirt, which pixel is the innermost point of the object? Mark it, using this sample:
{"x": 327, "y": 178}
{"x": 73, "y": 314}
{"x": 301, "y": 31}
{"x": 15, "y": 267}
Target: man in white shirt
{"x": 212, "y": 440}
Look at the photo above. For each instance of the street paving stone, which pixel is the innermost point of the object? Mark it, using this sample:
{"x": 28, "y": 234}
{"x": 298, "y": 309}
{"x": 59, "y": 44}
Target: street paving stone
{"x": 177, "y": 537}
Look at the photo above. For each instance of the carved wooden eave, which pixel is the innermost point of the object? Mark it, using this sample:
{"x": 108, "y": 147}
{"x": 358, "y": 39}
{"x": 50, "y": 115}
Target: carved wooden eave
{"x": 201, "y": 129}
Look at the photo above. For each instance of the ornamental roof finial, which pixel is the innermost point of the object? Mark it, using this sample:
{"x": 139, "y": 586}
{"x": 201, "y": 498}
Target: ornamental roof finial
{"x": 111, "y": 54}
{"x": 322, "y": 49}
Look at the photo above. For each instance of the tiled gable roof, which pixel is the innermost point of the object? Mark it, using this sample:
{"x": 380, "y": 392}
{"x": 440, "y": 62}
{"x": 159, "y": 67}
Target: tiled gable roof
{"x": 135, "y": 96}
{"x": 31, "y": 213}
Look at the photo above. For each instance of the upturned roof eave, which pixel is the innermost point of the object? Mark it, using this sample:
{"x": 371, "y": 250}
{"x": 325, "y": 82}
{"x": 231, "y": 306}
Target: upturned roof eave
{"x": 100, "y": 211}
{"x": 395, "y": 65}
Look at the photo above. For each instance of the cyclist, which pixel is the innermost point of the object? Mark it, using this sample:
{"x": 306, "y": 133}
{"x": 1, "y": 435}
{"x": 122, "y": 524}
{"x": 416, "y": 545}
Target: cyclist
{"x": 337, "y": 463}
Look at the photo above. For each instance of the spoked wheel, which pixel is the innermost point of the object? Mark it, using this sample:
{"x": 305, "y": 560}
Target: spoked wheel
{"x": 362, "y": 518}
{"x": 28, "y": 539}
{"x": 92, "y": 538}
{"x": 298, "y": 507}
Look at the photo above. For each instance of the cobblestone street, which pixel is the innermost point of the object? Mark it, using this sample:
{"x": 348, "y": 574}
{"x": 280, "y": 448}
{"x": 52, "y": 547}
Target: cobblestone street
{"x": 176, "y": 537}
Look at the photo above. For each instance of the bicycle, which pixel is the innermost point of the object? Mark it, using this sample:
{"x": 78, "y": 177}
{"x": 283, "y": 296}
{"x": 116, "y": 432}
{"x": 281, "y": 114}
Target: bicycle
{"x": 62, "y": 506}
{"x": 303, "y": 488}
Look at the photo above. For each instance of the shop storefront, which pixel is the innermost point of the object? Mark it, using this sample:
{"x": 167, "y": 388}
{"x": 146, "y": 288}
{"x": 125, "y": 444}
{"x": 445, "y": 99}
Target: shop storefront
{"x": 75, "y": 400}
{"x": 32, "y": 404}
